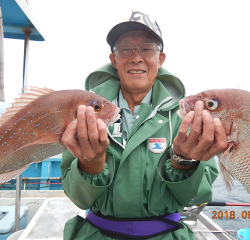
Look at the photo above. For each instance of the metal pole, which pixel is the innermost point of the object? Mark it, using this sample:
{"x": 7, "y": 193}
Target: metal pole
{"x": 25, "y": 58}
{"x": 1, "y": 59}
{"x": 19, "y": 178}
{"x": 17, "y": 205}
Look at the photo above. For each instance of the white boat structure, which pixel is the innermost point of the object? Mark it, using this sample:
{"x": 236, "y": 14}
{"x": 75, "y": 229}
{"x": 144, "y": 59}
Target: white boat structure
{"x": 44, "y": 212}
{"x": 48, "y": 210}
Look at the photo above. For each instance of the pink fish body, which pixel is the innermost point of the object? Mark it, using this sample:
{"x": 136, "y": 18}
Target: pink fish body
{"x": 232, "y": 107}
{"x": 31, "y": 130}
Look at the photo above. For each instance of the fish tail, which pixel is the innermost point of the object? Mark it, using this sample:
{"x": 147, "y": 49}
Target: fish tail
{"x": 8, "y": 176}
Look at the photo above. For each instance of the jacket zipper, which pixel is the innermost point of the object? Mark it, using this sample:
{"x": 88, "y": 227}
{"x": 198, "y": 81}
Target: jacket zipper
{"x": 153, "y": 113}
{"x": 124, "y": 142}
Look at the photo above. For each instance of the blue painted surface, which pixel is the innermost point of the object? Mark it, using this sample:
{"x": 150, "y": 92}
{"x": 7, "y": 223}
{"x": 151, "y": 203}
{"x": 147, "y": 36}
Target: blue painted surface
{"x": 17, "y": 17}
{"x": 44, "y": 169}
{"x": 244, "y": 234}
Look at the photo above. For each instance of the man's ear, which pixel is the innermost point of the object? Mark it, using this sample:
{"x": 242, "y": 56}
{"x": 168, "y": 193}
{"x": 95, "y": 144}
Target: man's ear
{"x": 112, "y": 59}
{"x": 162, "y": 57}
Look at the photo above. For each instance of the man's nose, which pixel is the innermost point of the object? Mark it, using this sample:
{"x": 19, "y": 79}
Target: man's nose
{"x": 136, "y": 56}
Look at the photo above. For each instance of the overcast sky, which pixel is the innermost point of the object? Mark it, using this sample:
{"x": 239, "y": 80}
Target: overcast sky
{"x": 207, "y": 43}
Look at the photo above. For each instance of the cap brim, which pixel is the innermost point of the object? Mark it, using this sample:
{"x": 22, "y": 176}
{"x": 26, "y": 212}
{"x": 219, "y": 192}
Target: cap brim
{"x": 123, "y": 27}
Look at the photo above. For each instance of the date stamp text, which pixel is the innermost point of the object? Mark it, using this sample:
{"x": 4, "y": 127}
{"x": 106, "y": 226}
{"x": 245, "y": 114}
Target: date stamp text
{"x": 230, "y": 215}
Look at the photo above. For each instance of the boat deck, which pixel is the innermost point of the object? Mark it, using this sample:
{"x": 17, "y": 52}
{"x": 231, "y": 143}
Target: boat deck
{"x": 206, "y": 229}
{"x": 49, "y": 210}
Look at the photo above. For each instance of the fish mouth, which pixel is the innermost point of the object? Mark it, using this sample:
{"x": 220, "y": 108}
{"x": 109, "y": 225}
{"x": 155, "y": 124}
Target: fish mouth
{"x": 114, "y": 117}
{"x": 182, "y": 112}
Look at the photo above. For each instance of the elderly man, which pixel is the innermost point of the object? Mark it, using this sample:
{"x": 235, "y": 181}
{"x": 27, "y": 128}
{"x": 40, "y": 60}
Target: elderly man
{"x": 130, "y": 175}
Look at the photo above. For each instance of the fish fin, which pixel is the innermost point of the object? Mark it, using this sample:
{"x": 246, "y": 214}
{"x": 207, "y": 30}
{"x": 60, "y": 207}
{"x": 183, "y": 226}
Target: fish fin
{"x": 56, "y": 137}
{"x": 227, "y": 177}
{"x": 225, "y": 174}
{"x": 230, "y": 145}
{"x": 8, "y": 176}
{"x": 38, "y": 90}
{"x": 26, "y": 98}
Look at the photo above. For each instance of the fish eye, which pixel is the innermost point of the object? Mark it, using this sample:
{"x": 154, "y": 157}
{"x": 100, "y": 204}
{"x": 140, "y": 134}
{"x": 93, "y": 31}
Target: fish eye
{"x": 212, "y": 104}
{"x": 97, "y": 107}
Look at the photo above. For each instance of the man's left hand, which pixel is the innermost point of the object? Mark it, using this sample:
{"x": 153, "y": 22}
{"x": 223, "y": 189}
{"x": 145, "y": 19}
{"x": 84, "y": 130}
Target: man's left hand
{"x": 206, "y": 138}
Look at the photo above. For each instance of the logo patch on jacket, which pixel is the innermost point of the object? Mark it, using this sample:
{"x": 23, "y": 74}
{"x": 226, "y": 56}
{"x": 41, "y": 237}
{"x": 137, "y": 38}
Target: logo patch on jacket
{"x": 157, "y": 145}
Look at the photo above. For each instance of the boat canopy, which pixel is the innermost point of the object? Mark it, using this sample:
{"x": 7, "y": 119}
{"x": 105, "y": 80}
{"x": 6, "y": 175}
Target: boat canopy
{"x": 17, "y": 19}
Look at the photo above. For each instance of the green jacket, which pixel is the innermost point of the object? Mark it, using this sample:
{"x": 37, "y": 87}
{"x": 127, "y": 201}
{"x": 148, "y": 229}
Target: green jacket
{"x": 137, "y": 181}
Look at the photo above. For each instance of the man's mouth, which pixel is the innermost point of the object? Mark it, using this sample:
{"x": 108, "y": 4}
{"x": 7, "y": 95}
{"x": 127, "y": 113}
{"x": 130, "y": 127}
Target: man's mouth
{"x": 136, "y": 71}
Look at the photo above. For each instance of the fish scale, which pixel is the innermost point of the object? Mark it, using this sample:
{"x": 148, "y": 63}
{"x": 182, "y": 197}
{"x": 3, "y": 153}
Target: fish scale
{"x": 31, "y": 129}
{"x": 39, "y": 130}
{"x": 36, "y": 126}
{"x": 33, "y": 153}
{"x": 234, "y": 112}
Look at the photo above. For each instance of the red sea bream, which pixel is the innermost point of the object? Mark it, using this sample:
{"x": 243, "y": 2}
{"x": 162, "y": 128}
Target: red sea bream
{"x": 232, "y": 107}
{"x": 31, "y": 130}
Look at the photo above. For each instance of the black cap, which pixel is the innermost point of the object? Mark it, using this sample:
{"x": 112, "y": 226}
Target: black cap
{"x": 136, "y": 21}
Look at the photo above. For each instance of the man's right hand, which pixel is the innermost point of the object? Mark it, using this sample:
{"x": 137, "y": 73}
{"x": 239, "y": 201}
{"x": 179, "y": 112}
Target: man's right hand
{"x": 91, "y": 143}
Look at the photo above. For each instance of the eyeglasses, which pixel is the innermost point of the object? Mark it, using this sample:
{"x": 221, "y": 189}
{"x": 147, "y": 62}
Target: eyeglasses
{"x": 145, "y": 50}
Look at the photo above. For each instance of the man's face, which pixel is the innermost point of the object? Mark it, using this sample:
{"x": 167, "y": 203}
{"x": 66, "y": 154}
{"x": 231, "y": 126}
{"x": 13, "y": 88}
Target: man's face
{"x": 137, "y": 74}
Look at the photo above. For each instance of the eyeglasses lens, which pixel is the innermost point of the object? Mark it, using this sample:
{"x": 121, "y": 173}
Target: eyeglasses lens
{"x": 145, "y": 49}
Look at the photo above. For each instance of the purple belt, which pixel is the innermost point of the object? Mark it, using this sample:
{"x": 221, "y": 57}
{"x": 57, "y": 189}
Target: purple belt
{"x": 135, "y": 229}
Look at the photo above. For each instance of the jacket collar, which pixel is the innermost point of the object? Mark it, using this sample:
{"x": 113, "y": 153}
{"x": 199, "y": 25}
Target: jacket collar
{"x": 166, "y": 85}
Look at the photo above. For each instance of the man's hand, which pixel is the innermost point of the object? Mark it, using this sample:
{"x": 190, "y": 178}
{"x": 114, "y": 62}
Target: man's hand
{"x": 91, "y": 143}
{"x": 206, "y": 138}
